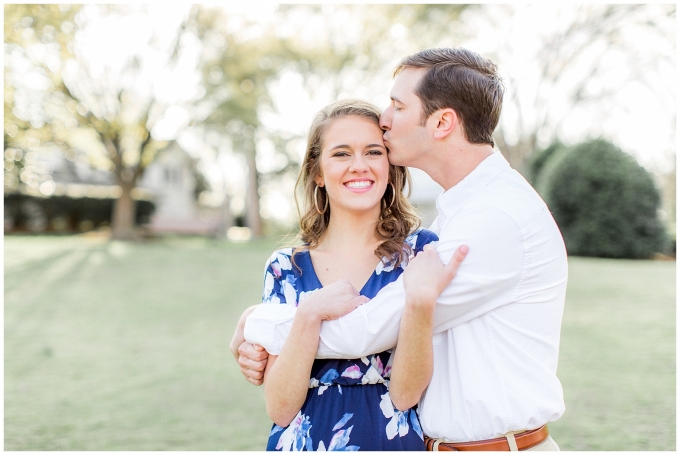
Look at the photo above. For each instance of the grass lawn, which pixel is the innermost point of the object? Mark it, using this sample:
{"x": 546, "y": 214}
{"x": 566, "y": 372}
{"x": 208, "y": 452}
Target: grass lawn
{"x": 116, "y": 346}
{"x": 617, "y": 356}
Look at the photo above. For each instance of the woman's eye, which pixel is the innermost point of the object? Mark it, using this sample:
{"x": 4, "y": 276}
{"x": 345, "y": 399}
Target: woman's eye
{"x": 341, "y": 154}
{"x": 375, "y": 152}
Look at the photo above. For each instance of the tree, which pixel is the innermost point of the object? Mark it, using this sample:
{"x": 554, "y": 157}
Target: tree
{"x": 31, "y": 30}
{"x": 117, "y": 105}
{"x": 337, "y": 50}
{"x": 236, "y": 73}
{"x": 575, "y": 67}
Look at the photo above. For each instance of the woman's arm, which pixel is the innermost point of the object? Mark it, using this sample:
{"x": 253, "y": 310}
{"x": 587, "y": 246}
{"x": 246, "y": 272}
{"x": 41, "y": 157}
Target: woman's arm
{"x": 287, "y": 375}
{"x": 286, "y": 378}
{"x": 424, "y": 279}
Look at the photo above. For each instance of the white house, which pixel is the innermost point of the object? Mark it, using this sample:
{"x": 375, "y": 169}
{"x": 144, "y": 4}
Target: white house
{"x": 171, "y": 180}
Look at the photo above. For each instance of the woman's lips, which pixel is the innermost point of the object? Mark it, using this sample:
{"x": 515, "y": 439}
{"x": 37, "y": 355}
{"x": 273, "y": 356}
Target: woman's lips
{"x": 359, "y": 186}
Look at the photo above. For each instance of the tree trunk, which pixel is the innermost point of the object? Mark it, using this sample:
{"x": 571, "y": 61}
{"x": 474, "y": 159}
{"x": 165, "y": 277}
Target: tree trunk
{"x": 123, "y": 216}
{"x": 253, "y": 219}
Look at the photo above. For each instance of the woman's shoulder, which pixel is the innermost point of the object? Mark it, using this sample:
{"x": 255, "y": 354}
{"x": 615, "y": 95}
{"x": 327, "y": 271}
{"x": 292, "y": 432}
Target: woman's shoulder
{"x": 420, "y": 237}
{"x": 284, "y": 259}
{"x": 280, "y": 260}
{"x": 282, "y": 255}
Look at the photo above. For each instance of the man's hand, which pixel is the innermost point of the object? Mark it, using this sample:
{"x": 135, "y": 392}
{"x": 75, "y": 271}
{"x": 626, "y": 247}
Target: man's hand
{"x": 251, "y": 358}
{"x": 332, "y": 301}
{"x": 426, "y": 276}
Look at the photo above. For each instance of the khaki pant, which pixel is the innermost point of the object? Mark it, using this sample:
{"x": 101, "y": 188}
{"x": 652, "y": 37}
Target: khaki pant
{"x": 547, "y": 445}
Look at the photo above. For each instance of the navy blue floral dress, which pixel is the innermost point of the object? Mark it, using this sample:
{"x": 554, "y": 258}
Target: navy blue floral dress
{"x": 348, "y": 405}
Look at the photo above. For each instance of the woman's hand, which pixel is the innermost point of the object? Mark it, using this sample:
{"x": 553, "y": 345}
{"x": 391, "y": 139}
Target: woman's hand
{"x": 424, "y": 279}
{"x": 332, "y": 301}
{"x": 426, "y": 276}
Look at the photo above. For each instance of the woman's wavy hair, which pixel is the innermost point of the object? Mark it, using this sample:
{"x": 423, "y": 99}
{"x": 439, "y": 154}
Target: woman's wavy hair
{"x": 397, "y": 216}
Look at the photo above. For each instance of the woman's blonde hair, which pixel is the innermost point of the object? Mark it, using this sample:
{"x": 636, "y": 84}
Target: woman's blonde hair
{"x": 397, "y": 215}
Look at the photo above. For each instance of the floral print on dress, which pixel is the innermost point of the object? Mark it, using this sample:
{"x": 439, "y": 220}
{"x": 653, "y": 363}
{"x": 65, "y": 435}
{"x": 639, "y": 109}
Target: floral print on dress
{"x": 348, "y": 407}
{"x": 296, "y": 436}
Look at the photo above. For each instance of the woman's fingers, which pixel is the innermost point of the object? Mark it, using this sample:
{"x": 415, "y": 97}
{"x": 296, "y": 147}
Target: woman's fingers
{"x": 334, "y": 301}
{"x": 454, "y": 263}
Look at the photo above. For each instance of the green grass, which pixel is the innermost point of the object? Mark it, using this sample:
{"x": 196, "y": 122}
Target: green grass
{"x": 116, "y": 346}
{"x": 125, "y": 347}
{"x": 617, "y": 356}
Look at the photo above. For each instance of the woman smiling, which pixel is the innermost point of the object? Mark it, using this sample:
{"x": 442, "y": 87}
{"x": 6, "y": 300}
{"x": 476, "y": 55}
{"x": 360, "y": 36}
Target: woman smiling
{"x": 358, "y": 230}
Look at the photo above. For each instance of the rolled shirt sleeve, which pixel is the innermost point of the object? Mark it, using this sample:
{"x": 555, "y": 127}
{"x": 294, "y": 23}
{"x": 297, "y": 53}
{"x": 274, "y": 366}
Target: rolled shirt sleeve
{"x": 485, "y": 280}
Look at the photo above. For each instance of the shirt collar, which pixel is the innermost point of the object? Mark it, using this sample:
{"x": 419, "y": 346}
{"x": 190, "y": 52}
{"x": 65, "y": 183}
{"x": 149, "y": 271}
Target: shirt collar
{"x": 451, "y": 200}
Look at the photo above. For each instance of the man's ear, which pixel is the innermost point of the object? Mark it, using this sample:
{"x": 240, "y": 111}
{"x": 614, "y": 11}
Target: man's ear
{"x": 446, "y": 121}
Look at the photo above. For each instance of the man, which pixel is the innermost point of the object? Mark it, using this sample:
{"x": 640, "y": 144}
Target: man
{"x": 497, "y": 324}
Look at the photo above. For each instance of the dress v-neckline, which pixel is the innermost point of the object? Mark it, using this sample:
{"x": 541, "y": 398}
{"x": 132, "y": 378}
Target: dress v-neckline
{"x": 316, "y": 277}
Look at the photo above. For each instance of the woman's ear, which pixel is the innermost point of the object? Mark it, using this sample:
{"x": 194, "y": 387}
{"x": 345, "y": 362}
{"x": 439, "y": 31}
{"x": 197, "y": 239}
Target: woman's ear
{"x": 319, "y": 181}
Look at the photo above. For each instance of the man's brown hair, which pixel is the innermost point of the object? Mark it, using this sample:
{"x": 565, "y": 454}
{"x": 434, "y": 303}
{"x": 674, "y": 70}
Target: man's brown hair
{"x": 464, "y": 81}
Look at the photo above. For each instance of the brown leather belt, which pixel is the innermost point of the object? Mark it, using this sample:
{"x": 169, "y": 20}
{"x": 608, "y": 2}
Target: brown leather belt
{"x": 525, "y": 440}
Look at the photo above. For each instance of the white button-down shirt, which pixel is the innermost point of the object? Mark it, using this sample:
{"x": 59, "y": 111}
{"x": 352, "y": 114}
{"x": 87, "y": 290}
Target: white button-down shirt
{"x": 497, "y": 325}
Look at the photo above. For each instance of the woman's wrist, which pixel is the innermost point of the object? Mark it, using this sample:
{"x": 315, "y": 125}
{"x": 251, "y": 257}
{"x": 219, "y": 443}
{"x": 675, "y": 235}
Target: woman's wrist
{"x": 308, "y": 314}
{"x": 420, "y": 301}
{"x": 420, "y": 309}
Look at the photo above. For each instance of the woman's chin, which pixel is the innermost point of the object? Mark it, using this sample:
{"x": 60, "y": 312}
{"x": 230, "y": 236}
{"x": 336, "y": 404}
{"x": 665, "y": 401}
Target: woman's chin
{"x": 358, "y": 208}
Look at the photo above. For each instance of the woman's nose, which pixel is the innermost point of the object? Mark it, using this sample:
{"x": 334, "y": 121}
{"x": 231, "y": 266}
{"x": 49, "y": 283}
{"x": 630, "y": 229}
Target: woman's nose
{"x": 358, "y": 163}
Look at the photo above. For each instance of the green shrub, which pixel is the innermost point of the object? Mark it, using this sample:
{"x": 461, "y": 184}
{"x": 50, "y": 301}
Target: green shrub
{"x": 604, "y": 202}
{"x": 541, "y": 158}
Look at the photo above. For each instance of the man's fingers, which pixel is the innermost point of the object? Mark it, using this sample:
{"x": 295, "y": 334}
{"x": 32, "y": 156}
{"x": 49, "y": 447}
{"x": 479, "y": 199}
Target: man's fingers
{"x": 255, "y": 381}
{"x": 256, "y": 365}
{"x": 252, "y": 374}
{"x": 252, "y": 351}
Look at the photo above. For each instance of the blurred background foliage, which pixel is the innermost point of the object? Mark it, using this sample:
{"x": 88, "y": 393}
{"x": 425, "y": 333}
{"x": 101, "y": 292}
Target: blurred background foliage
{"x": 237, "y": 87}
{"x": 604, "y": 202}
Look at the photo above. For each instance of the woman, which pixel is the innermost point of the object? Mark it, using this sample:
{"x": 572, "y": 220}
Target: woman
{"x": 359, "y": 227}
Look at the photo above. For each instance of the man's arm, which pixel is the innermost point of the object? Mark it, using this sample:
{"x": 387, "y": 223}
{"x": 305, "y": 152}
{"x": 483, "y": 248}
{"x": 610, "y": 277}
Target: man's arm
{"x": 251, "y": 358}
{"x": 484, "y": 281}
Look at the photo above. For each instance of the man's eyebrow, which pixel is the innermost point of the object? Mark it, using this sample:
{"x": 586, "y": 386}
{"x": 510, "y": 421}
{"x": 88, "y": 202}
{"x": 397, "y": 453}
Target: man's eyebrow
{"x": 394, "y": 98}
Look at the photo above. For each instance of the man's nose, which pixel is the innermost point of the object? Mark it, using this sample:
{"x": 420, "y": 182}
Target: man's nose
{"x": 385, "y": 120}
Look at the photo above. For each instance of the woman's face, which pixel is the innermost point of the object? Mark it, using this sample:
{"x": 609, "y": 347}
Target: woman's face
{"x": 354, "y": 165}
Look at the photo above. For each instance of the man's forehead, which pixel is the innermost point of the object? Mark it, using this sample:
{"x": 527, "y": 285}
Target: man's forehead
{"x": 406, "y": 82}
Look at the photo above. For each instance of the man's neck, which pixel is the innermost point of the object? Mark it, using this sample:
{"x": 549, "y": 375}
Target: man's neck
{"x": 450, "y": 166}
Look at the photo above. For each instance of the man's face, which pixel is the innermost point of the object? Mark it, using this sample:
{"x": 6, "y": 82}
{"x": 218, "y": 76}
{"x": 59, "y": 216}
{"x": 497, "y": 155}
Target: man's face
{"x": 403, "y": 134}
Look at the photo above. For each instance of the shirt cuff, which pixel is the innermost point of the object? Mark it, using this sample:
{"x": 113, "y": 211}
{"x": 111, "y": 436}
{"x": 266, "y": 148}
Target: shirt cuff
{"x": 269, "y": 326}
